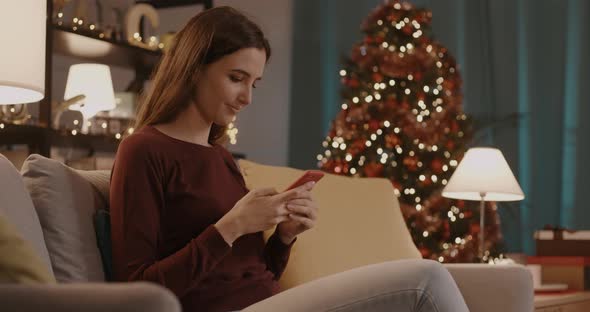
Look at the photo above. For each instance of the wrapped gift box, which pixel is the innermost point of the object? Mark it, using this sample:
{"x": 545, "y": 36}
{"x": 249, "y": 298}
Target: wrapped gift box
{"x": 560, "y": 242}
{"x": 573, "y": 271}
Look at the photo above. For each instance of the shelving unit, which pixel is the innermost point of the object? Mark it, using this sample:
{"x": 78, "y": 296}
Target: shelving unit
{"x": 64, "y": 41}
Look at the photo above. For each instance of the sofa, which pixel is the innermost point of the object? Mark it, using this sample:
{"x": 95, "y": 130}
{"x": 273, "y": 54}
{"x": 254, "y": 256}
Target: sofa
{"x": 53, "y": 207}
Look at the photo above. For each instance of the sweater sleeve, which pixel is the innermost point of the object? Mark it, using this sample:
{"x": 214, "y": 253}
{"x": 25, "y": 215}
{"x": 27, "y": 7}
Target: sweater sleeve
{"x": 276, "y": 254}
{"x": 137, "y": 199}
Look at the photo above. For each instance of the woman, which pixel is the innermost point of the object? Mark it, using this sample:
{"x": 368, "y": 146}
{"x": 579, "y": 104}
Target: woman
{"x": 181, "y": 214}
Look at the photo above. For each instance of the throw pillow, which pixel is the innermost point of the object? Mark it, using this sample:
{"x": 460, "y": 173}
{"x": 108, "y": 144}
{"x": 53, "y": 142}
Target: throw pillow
{"x": 19, "y": 263}
{"x": 66, "y": 203}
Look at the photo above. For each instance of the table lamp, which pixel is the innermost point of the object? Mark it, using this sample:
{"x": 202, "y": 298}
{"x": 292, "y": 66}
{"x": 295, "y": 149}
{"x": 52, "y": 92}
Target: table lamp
{"x": 93, "y": 82}
{"x": 483, "y": 175}
{"x": 22, "y": 57}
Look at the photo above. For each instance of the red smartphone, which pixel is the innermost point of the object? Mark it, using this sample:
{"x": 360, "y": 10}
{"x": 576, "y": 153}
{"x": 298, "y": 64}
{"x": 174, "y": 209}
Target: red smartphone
{"x": 308, "y": 176}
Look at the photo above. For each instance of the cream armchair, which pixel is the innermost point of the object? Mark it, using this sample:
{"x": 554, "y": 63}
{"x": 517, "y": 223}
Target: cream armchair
{"x": 360, "y": 224}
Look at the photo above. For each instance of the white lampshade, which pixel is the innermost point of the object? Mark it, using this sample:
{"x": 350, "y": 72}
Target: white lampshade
{"x": 22, "y": 56}
{"x": 93, "y": 81}
{"x": 483, "y": 171}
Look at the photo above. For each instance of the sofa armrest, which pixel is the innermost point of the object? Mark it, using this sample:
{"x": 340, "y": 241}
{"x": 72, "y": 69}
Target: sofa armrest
{"x": 487, "y": 288}
{"x": 88, "y": 297}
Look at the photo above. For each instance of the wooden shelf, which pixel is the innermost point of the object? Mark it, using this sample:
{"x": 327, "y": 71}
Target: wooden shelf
{"x": 20, "y": 134}
{"x": 38, "y": 137}
{"x": 91, "y": 142}
{"x": 70, "y": 43}
{"x": 160, "y": 4}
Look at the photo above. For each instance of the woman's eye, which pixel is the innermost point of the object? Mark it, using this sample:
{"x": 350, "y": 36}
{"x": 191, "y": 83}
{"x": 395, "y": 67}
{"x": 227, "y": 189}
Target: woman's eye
{"x": 235, "y": 79}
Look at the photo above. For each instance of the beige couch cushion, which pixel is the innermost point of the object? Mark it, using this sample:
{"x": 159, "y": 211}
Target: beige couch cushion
{"x": 66, "y": 203}
{"x": 19, "y": 263}
{"x": 359, "y": 223}
{"x": 16, "y": 206}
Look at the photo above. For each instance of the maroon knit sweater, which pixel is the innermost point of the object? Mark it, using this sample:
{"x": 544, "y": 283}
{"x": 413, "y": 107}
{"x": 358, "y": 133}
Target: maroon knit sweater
{"x": 165, "y": 196}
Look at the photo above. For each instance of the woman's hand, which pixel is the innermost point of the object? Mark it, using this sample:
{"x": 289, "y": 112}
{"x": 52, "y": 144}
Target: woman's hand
{"x": 303, "y": 213}
{"x": 259, "y": 210}
{"x": 256, "y": 211}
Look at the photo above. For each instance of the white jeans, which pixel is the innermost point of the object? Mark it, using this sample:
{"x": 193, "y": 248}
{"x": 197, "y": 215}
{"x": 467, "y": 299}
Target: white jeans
{"x": 404, "y": 286}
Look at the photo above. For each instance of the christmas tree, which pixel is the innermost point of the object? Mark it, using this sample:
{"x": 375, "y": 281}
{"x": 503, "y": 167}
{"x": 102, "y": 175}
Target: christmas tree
{"x": 402, "y": 119}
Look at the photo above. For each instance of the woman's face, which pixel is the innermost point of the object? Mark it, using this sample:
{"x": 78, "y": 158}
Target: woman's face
{"x": 226, "y": 85}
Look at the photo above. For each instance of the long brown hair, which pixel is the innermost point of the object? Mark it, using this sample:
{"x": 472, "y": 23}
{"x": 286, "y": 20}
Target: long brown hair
{"x": 206, "y": 38}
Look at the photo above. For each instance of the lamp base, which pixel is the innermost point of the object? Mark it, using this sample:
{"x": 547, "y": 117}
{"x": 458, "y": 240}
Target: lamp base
{"x": 481, "y": 228}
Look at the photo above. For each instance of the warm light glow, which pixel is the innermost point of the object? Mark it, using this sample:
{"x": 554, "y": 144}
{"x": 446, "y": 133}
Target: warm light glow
{"x": 94, "y": 82}
{"x": 483, "y": 171}
{"x": 22, "y": 65}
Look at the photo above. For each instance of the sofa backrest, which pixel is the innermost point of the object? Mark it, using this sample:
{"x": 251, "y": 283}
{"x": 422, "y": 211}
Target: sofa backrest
{"x": 360, "y": 223}
{"x": 17, "y": 207}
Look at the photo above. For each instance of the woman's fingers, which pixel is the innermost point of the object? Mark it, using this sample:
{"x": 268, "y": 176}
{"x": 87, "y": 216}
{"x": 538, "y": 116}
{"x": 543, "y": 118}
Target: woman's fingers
{"x": 301, "y": 202}
{"x": 308, "y": 223}
{"x": 305, "y": 210}
{"x": 303, "y": 192}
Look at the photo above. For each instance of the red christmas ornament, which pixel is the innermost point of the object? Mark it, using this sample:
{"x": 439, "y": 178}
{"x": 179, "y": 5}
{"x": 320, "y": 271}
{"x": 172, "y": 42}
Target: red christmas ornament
{"x": 374, "y": 125}
{"x": 418, "y": 76}
{"x": 424, "y": 252}
{"x": 411, "y": 162}
{"x": 391, "y": 140}
{"x": 450, "y": 145}
{"x": 377, "y": 77}
{"x": 405, "y": 105}
{"x": 474, "y": 228}
{"x": 407, "y": 30}
{"x": 436, "y": 166}
{"x": 368, "y": 40}
{"x": 373, "y": 169}
{"x": 353, "y": 83}
{"x": 380, "y": 38}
